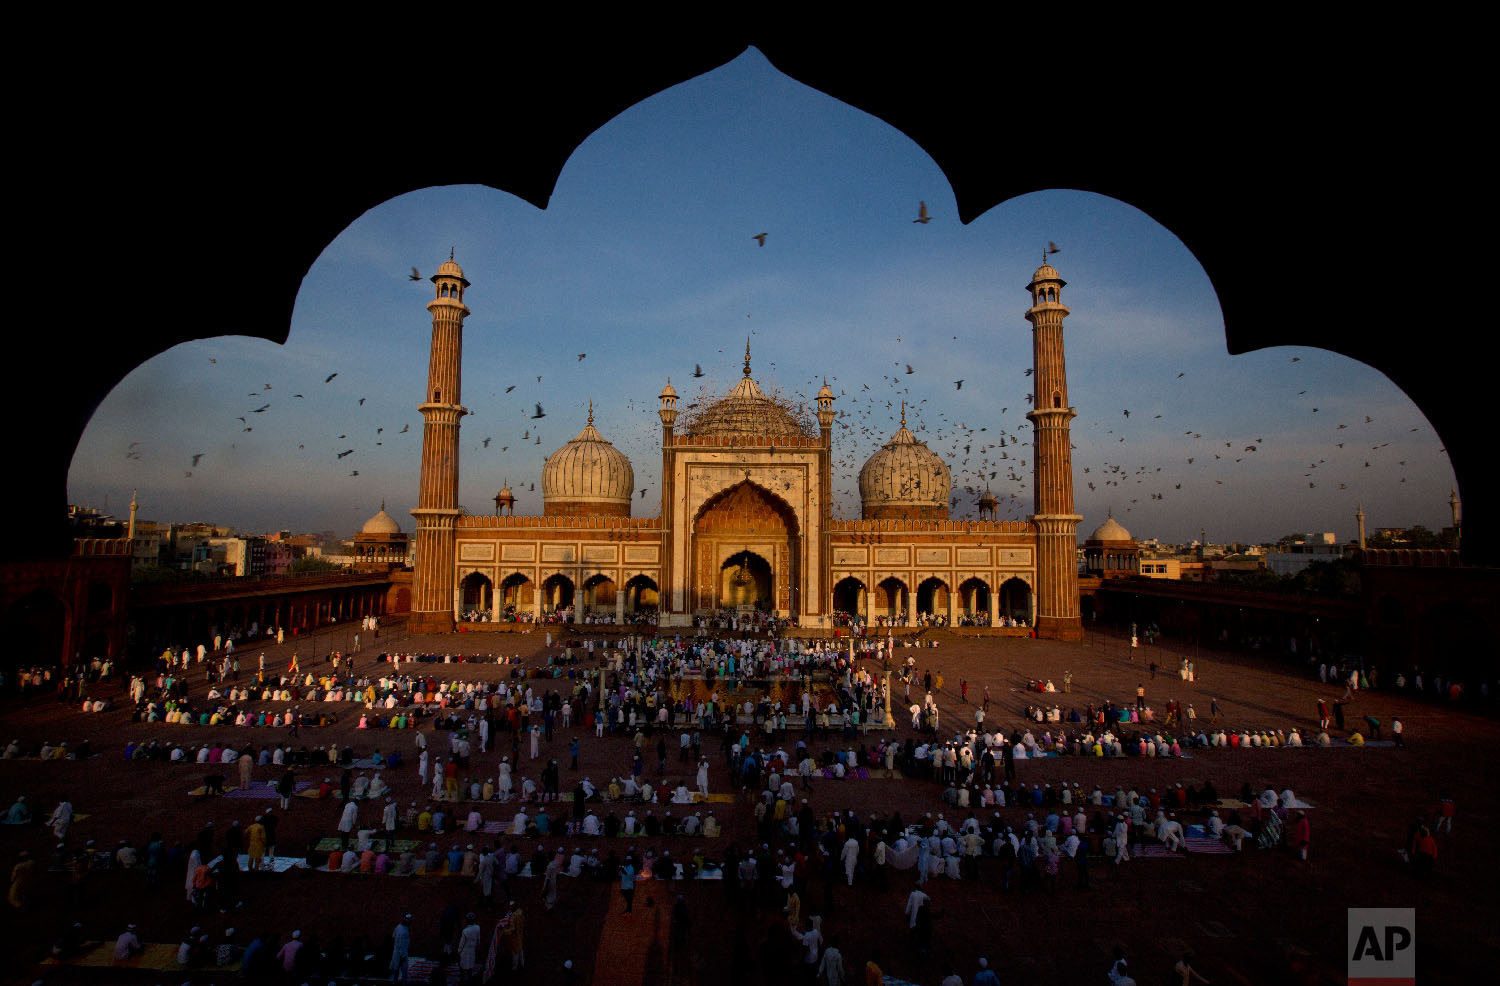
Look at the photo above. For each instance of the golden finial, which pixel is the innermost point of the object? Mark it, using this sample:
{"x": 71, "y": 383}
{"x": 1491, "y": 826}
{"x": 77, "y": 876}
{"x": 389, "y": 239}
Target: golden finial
{"x": 903, "y": 414}
{"x": 591, "y": 410}
{"x": 747, "y": 356}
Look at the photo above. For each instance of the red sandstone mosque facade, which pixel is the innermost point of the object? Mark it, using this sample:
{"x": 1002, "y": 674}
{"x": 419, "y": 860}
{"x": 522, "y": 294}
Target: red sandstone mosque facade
{"x": 745, "y": 513}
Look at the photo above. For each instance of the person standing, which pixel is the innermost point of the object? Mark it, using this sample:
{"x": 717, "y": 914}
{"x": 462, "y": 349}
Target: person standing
{"x": 468, "y": 950}
{"x": 831, "y": 968}
{"x": 1396, "y": 733}
{"x": 549, "y": 881}
{"x": 400, "y": 950}
{"x": 627, "y": 883}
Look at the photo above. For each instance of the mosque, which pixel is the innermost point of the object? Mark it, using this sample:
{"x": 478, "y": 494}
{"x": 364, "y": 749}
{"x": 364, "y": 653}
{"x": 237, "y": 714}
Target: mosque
{"x": 744, "y": 520}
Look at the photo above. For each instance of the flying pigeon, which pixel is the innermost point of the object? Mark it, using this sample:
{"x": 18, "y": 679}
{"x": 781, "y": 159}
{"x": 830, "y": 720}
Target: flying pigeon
{"x": 759, "y": 238}
{"x": 922, "y": 216}
{"x": 414, "y": 275}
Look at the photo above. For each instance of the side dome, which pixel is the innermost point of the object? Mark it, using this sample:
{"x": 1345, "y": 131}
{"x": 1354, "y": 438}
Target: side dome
{"x": 381, "y": 523}
{"x": 588, "y": 476}
{"x": 1110, "y": 530}
{"x": 904, "y": 478}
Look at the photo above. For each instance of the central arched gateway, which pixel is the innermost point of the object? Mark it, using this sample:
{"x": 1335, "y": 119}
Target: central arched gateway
{"x": 745, "y": 552}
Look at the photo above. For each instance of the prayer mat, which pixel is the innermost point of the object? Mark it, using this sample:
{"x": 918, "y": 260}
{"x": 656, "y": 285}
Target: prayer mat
{"x": 271, "y": 864}
{"x": 1155, "y": 852}
{"x": 494, "y": 828}
{"x": 426, "y": 971}
{"x": 263, "y": 790}
{"x": 162, "y": 958}
{"x": 333, "y": 842}
{"x": 201, "y": 791}
{"x": 1205, "y": 844}
{"x": 858, "y": 773}
{"x": 367, "y": 764}
{"x": 1340, "y": 742}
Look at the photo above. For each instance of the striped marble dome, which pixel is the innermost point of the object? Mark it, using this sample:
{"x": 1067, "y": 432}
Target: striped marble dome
{"x": 905, "y": 478}
{"x": 587, "y": 476}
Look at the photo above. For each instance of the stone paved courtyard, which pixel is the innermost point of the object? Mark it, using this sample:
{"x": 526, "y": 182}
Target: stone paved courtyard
{"x": 1259, "y": 917}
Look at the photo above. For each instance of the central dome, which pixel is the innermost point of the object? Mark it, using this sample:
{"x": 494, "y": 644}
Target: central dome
{"x": 905, "y": 479}
{"x": 746, "y": 410}
{"x": 587, "y": 476}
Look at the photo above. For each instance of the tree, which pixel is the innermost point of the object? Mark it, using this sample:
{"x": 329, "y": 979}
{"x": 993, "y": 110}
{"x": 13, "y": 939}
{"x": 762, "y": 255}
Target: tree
{"x": 312, "y": 565}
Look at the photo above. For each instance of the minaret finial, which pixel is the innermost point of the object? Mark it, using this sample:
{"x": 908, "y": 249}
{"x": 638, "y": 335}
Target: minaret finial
{"x": 903, "y": 414}
{"x": 747, "y": 356}
{"x": 382, "y": 504}
{"x": 591, "y": 410}
{"x": 450, "y": 253}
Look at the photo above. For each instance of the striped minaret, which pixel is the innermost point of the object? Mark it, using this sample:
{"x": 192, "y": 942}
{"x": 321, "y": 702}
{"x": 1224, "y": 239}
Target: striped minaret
{"x": 434, "y": 587}
{"x": 1056, "y": 606}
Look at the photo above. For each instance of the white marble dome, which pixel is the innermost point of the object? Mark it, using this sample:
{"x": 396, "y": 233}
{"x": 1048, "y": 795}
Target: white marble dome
{"x": 588, "y": 470}
{"x": 381, "y": 523}
{"x": 1110, "y": 530}
{"x": 904, "y": 475}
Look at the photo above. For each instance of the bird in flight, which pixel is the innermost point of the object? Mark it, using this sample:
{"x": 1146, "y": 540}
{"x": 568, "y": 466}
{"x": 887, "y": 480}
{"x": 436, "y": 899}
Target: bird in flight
{"x": 354, "y": 473}
{"x": 486, "y": 443}
{"x": 404, "y": 429}
{"x": 697, "y": 370}
{"x": 260, "y": 409}
{"x": 414, "y": 275}
{"x": 958, "y": 385}
{"x": 1030, "y": 371}
{"x": 533, "y": 488}
{"x": 909, "y": 369}
{"x": 1298, "y": 359}
{"x": 330, "y": 377}
{"x": 268, "y": 386}
{"x": 1053, "y": 247}
{"x": 582, "y": 355}
{"x": 1181, "y": 375}
{"x": 196, "y": 458}
{"x": 379, "y": 430}
{"x": 212, "y": 360}
{"x": 643, "y": 494}
{"x": 296, "y": 395}
{"x": 346, "y": 452}
{"x": 510, "y": 388}
{"x": 361, "y": 402}
{"x": 759, "y": 238}
{"x": 538, "y": 379}
{"x": 1127, "y": 414}
{"x": 922, "y": 216}
{"x": 539, "y": 414}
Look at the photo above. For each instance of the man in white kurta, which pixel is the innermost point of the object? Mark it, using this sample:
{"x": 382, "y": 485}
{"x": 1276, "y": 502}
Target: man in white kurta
{"x": 849, "y": 855}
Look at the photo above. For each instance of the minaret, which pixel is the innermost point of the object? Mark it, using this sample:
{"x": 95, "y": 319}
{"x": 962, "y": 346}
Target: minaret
{"x": 825, "y": 508}
{"x": 130, "y": 530}
{"x": 434, "y": 590}
{"x": 1359, "y": 518}
{"x": 670, "y": 600}
{"x": 1056, "y": 605}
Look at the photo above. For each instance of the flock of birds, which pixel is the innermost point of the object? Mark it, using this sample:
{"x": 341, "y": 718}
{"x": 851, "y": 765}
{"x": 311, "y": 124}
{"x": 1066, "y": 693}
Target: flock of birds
{"x": 994, "y": 455}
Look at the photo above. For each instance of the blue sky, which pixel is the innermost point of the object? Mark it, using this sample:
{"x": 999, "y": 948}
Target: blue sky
{"x": 644, "y": 262}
